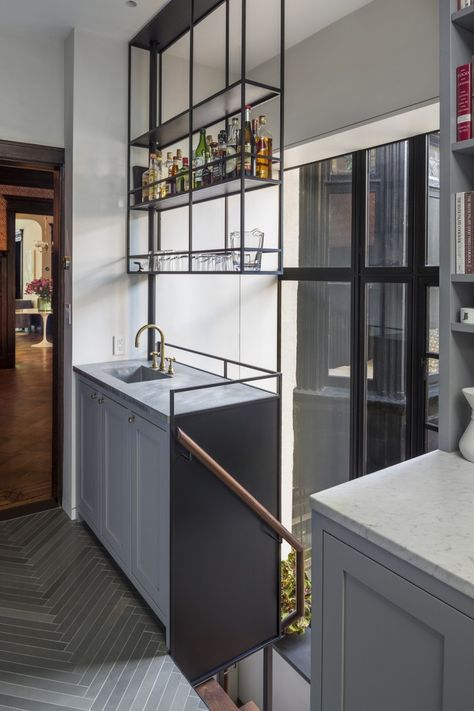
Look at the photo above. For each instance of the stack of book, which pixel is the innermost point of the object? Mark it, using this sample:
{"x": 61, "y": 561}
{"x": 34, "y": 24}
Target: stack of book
{"x": 464, "y": 3}
{"x": 464, "y": 233}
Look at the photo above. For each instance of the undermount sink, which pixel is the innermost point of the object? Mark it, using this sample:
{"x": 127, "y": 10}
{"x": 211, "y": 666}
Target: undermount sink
{"x": 133, "y": 374}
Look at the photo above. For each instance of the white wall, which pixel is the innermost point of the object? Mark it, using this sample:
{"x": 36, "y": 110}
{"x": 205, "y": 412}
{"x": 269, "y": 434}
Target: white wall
{"x": 96, "y": 131}
{"x": 291, "y": 692}
{"x": 32, "y": 89}
{"x": 379, "y": 60}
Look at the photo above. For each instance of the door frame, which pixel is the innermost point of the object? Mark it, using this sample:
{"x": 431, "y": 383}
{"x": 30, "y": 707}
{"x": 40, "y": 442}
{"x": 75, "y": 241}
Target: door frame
{"x": 46, "y": 158}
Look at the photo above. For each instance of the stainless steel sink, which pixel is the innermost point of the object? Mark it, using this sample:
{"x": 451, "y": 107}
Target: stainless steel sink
{"x": 132, "y": 374}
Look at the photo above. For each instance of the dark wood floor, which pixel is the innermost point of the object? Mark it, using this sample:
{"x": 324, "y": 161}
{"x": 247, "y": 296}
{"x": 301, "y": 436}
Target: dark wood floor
{"x": 26, "y": 426}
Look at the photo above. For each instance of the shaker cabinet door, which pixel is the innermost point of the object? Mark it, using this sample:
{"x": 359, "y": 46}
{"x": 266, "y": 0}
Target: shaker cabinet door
{"x": 386, "y": 643}
{"x": 150, "y": 511}
{"x": 116, "y": 508}
{"x": 89, "y": 456}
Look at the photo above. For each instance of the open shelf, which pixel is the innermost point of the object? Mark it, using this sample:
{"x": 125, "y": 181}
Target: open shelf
{"x": 219, "y": 190}
{"x": 218, "y": 107}
{"x": 464, "y": 18}
{"x": 202, "y": 261}
{"x": 466, "y": 147}
{"x": 462, "y": 327}
{"x": 462, "y": 278}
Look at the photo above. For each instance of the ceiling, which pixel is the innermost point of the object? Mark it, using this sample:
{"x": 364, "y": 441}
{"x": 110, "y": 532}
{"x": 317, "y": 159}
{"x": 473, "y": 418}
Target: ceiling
{"x": 55, "y": 18}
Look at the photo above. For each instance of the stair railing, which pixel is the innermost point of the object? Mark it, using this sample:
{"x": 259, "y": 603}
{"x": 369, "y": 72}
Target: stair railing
{"x": 265, "y": 515}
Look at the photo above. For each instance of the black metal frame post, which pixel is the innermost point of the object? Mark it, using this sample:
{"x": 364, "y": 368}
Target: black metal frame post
{"x": 152, "y": 217}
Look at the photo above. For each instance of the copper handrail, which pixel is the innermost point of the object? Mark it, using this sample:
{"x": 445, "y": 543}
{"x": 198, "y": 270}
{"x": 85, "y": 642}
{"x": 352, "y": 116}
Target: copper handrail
{"x": 260, "y": 510}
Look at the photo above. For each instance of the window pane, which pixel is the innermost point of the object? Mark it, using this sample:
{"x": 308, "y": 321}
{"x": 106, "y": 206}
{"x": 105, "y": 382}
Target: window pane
{"x": 387, "y": 211}
{"x": 432, "y": 237}
{"x": 385, "y": 405}
{"x": 316, "y": 369}
{"x": 432, "y": 344}
{"x": 318, "y": 214}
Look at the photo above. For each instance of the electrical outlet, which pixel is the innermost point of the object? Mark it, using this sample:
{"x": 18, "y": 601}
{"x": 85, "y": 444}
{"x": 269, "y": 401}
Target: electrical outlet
{"x": 119, "y": 345}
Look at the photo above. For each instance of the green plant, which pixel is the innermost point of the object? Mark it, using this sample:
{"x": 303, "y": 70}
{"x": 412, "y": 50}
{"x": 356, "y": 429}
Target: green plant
{"x": 288, "y": 593}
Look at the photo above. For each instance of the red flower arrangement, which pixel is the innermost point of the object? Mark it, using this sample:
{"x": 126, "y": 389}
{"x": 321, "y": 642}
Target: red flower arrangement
{"x": 42, "y": 287}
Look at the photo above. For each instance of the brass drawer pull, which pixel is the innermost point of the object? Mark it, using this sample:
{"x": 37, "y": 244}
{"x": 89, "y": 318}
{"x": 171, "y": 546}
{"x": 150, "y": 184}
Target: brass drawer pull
{"x": 131, "y": 419}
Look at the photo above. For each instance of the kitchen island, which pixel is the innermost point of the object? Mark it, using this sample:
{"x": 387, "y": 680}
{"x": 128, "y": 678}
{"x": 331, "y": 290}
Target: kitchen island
{"x": 393, "y": 572}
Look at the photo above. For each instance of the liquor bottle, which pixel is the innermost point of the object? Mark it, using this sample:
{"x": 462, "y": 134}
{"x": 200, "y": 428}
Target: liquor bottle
{"x": 264, "y": 149}
{"x": 145, "y": 181}
{"x": 159, "y": 171}
{"x": 232, "y": 148}
{"x": 222, "y": 153}
{"x": 152, "y": 178}
{"x": 248, "y": 142}
{"x": 182, "y": 181}
{"x": 216, "y": 168}
{"x": 174, "y": 174}
{"x": 200, "y": 159}
{"x": 169, "y": 169}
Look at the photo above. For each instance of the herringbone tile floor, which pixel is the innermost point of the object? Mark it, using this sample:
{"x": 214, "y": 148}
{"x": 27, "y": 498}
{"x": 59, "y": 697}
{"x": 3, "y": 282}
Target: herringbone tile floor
{"x": 73, "y": 633}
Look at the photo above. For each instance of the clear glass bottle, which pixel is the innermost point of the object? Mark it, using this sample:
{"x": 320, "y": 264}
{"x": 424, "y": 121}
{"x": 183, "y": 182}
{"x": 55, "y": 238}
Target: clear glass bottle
{"x": 264, "y": 150}
{"x": 232, "y": 149}
{"x": 248, "y": 142}
{"x": 200, "y": 159}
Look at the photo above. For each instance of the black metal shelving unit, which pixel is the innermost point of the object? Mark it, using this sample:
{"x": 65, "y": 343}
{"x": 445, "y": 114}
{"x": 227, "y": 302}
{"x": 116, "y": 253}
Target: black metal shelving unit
{"x": 176, "y": 20}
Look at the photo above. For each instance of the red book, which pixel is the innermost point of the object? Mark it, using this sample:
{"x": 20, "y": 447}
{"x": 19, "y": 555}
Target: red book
{"x": 463, "y": 102}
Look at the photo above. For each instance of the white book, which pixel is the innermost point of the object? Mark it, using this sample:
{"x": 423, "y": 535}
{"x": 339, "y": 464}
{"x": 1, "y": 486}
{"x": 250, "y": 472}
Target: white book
{"x": 460, "y": 234}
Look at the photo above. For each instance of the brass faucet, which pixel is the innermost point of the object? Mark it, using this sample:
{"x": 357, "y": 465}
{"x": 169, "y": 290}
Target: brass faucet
{"x": 154, "y": 354}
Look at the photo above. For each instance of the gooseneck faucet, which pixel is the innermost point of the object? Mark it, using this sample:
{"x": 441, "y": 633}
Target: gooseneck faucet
{"x": 154, "y": 354}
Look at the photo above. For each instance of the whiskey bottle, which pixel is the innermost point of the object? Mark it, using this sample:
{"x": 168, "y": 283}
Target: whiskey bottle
{"x": 152, "y": 178}
{"x": 264, "y": 150}
{"x": 174, "y": 175}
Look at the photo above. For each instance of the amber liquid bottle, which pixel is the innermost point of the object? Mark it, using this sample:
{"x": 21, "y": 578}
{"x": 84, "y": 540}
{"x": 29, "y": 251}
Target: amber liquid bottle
{"x": 264, "y": 149}
{"x": 248, "y": 143}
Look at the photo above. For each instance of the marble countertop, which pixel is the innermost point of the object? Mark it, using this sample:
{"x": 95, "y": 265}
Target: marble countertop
{"x": 154, "y": 396}
{"x": 422, "y": 511}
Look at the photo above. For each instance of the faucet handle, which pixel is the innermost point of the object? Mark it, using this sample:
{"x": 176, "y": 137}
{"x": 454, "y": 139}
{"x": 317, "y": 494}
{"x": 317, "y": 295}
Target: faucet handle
{"x": 154, "y": 360}
{"x": 171, "y": 360}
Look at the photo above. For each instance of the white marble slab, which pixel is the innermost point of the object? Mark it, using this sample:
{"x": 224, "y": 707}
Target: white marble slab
{"x": 422, "y": 511}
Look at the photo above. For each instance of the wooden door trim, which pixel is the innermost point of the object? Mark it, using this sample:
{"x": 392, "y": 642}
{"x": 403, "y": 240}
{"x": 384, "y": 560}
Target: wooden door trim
{"x": 50, "y": 159}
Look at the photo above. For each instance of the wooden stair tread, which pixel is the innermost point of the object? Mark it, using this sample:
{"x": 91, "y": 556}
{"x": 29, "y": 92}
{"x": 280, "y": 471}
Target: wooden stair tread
{"x": 216, "y": 698}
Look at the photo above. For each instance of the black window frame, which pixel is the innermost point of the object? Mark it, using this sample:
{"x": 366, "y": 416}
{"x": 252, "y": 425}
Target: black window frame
{"x": 417, "y": 275}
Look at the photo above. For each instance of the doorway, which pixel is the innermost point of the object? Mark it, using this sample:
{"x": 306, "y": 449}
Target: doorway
{"x": 30, "y": 335}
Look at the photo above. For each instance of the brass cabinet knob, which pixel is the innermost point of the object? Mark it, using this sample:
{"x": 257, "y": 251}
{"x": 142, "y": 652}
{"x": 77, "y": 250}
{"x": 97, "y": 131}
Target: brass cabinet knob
{"x": 131, "y": 419}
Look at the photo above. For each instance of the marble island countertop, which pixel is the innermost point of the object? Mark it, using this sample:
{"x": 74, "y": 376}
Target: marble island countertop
{"x": 422, "y": 511}
{"x": 153, "y": 396}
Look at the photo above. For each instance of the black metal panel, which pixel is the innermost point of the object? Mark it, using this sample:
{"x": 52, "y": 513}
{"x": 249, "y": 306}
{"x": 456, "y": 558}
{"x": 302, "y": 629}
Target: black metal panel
{"x": 224, "y": 560}
{"x": 172, "y": 22}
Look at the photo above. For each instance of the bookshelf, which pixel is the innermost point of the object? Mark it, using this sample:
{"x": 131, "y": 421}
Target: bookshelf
{"x": 457, "y": 175}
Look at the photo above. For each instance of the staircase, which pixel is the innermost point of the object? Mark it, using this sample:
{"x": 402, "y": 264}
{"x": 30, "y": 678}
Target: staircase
{"x": 216, "y": 698}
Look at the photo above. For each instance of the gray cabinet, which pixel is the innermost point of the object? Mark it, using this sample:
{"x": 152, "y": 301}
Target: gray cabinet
{"x": 116, "y": 483}
{"x": 383, "y": 642}
{"x": 89, "y": 456}
{"x": 149, "y": 452}
{"x": 123, "y": 490}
